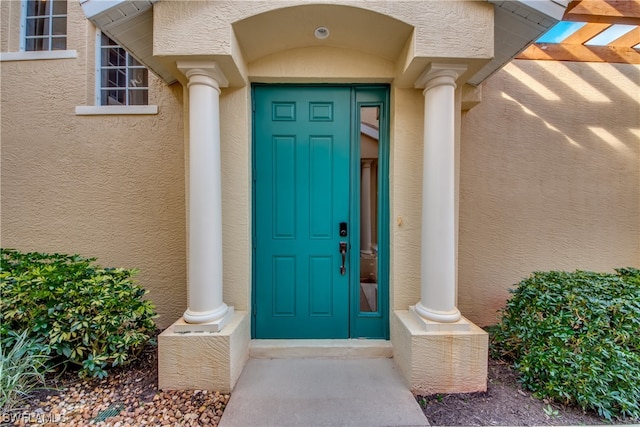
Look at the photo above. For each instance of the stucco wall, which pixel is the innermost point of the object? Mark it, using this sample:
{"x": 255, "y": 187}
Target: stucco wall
{"x": 321, "y": 64}
{"x": 407, "y": 128}
{"x": 542, "y": 183}
{"x": 406, "y": 33}
{"x": 9, "y": 18}
{"x": 235, "y": 147}
{"x": 110, "y": 187}
{"x": 550, "y": 177}
{"x": 202, "y": 27}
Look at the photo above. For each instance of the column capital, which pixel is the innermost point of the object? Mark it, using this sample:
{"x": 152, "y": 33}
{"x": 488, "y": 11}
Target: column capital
{"x": 438, "y": 74}
{"x": 203, "y": 72}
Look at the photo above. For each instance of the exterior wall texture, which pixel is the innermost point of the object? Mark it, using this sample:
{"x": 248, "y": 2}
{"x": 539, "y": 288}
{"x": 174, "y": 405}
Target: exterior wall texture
{"x": 407, "y": 124}
{"x": 110, "y": 187}
{"x": 240, "y": 35}
{"x": 235, "y": 131}
{"x": 201, "y": 28}
{"x": 549, "y": 177}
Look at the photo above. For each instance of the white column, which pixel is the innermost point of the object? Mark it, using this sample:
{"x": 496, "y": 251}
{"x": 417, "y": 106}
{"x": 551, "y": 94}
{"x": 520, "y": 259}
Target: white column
{"x": 438, "y": 267}
{"x": 205, "y": 304}
{"x": 365, "y": 207}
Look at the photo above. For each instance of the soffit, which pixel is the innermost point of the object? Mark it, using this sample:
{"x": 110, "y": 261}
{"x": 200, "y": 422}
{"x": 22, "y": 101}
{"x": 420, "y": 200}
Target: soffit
{"x": 517, "y": 24}
{"x": 130, "y": 24}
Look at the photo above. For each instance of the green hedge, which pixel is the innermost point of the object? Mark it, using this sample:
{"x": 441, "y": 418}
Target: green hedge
{"x": 75, "y": 311}
{"x": 575, "y": 338}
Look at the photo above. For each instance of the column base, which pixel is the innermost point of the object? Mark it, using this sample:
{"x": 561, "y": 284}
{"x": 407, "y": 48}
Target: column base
{"x": 432, "y": 326}
{"x": 182, "y": 326}
{"x": 451, "y": 316}
{"x": 433, "y": 362}
{"x": 203, "y": 360}
{"x": 212, "y": 316}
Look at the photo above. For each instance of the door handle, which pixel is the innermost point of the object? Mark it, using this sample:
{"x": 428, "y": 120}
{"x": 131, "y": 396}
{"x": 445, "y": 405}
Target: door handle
{"x": 343, "y": 253}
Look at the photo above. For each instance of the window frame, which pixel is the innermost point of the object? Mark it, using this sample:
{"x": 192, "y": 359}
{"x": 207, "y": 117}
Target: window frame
{"x": 98, "y": 109}
{"x": 99, "y": 69}
{"x": 24, "y": 18}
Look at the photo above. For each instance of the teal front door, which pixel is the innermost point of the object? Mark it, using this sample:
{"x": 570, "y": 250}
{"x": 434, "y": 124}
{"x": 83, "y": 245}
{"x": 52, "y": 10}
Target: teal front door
{"x": 305, "y": 224}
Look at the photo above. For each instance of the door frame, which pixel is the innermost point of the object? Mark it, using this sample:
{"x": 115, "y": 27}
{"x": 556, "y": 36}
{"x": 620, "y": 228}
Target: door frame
{"x": 362, "y": 95}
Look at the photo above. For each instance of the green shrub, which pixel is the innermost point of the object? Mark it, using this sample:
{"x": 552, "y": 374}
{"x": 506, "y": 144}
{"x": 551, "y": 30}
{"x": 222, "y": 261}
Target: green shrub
{"x": 77, "y": 312}
{"x": 575, "y": 338}
{"x": 22, "y": 370}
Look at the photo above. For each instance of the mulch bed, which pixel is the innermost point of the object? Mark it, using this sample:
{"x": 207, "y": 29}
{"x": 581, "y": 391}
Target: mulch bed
{"x": 505, "y": 403}
{"x": 130, "y": 397}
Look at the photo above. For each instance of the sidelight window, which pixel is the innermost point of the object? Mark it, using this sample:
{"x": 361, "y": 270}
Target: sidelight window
{"x": 369, "y": 149}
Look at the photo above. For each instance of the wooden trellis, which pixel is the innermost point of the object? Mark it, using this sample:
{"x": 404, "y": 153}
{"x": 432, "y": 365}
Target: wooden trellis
{"x": 599, "y": 15}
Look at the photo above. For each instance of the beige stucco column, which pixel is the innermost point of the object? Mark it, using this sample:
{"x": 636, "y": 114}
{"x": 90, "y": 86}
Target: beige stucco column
{"x": 205, "y": 304}
{"x": 207, "y": 348}
{"x": 438, "y": 244}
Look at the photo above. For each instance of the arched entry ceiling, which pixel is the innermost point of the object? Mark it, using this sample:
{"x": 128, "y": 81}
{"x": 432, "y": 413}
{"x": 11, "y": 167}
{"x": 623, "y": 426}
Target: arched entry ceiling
{"x": 349, "y": 27}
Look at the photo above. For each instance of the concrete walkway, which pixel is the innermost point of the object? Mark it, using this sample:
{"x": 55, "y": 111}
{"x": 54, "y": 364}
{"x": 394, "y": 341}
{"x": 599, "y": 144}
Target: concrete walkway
{"x": 321, "y": 392}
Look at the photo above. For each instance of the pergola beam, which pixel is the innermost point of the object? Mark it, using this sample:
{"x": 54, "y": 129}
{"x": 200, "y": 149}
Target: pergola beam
{"x": 581, "y": 53}
{"x": 604, "y": 11}
{"x": 599, "y": 15}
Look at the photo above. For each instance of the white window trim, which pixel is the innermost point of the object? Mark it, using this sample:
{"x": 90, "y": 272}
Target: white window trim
{"x": 23, "y": 25}
{"x": 98, "y": 110}
{"x": 105, "y": 110}
{"x": 35, "y": 55}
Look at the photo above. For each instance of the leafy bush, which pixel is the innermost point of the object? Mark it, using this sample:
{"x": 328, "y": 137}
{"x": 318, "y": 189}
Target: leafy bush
{"x": 22, "y": 370}
{"x": 575, "y": 338}
{"x": 73, "y": 310}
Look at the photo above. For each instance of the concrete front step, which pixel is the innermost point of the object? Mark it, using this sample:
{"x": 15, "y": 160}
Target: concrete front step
{"x": 323, "y": 349}
{"x": 322, "y": 392}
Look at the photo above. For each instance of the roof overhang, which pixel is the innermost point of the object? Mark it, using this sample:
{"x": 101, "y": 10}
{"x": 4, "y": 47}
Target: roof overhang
{"x": 130, "y": 24}
{"x": 517, "y": 24}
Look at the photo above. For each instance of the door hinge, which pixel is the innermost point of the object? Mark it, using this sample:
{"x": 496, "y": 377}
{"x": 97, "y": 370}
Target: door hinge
{"x": 253, "y": 310}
